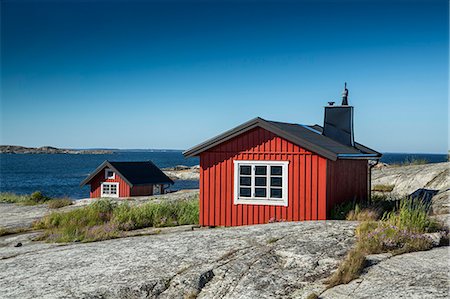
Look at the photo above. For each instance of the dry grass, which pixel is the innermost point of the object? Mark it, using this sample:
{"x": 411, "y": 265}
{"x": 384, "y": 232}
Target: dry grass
{"x": 399, "y": 231}
{"x": 312, "y": 296}
{"x": 366, "y": 214}
{"x": 59, "y": 203}
{"x": 383, "y": 188}
{"x": 349, "y": 269}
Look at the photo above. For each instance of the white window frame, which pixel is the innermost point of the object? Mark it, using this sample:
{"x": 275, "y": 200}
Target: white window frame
{"x": 110, "y": 195}
{"x": 109, "y": 177}
{"x": 283, "y": 201}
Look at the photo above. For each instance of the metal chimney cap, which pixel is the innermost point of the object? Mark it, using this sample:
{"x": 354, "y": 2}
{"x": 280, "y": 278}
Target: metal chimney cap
{"x": 345, "y": 95}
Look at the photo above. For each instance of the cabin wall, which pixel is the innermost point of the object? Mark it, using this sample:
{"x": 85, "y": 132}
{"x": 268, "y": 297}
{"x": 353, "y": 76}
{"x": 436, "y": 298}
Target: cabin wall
{"x": 124, "y": 188}
{"x": 347, "y": 181}
{"x": 141, "y": 190}
{"x": 307, "y": 181}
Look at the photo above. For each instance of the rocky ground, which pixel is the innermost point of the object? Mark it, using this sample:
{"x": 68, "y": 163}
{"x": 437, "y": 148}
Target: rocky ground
{"x": 279, "y": 260}
{"x": 418, "y": 275}
{"x": 429, "y": 180}
{"x": 182, "y": 172}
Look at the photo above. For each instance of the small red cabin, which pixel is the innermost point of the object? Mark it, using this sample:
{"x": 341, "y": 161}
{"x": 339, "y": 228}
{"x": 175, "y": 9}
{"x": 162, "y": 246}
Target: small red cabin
{"x": 265, "y": 170}
{"x": 125, "y": 179}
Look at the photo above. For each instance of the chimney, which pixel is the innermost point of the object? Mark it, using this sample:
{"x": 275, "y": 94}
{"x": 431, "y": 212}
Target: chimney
{"x": 338, "y": 121}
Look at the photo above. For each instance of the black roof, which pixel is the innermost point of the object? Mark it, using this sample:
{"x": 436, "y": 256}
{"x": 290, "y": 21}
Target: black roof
{"x": 134, "y": 173}
{"x": 308, "y": 137}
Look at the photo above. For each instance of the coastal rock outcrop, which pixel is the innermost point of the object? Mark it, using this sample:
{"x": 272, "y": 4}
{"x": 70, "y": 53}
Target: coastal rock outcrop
{"x": 422, "y": 274}
{"x": 184, "y": 173}
{"x": 428, "y": 180}
{"x": 276, "y": 260}
{"x": 16, "y": 149}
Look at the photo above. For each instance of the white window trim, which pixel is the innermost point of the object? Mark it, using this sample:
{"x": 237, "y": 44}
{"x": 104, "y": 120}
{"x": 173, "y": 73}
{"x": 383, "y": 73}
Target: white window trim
{"x": 262, "y": 201}
{"x": 110, "y": 195}
{"x": 108, "y": 177}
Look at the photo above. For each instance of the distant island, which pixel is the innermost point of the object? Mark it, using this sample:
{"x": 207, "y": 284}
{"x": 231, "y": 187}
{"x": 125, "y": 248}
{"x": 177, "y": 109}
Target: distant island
{"x": 15, "y": 149}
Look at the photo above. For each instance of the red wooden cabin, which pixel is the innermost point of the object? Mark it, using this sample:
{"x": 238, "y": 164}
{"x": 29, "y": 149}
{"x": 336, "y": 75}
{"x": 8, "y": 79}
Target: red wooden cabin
{"x": 125, "y": 179}
{"x": 264, "y": 170}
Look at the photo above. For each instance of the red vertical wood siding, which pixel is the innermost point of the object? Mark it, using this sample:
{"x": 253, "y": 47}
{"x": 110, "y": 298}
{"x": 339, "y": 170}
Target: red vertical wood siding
{"x": 346, "y": 181}
{"x": 124, "y": 188}
{"x": 307, "y": 181}
{"x": 142, "y": 190}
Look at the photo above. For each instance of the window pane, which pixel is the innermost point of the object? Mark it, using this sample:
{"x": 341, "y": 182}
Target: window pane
{"x": 244, "y": 192}
{"x": 276, "y": 170}
{"x": 106, "y": 189}
{"x": 276, "y": 181}
{"x": 245, "y": 170}
{"x": 261, "y": 170}
{"x": 260, "y": 192}
{"x": 275, "y": 193}
{"x": 245, "y": 181}
{"x": 260, "y": 181}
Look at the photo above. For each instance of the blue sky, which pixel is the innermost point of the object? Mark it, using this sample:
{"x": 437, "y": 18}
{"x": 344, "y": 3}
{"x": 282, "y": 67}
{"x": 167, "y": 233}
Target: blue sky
{"x": 171, "y": 74}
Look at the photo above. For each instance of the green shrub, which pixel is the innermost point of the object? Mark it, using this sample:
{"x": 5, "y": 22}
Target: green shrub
{"x": 38, "y": 197}
{"x": 59, "y": 203}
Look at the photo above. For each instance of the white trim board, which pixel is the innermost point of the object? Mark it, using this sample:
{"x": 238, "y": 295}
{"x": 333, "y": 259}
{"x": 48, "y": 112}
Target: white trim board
{"x": 109, "y": 195}
{"x": 253, "y": 200}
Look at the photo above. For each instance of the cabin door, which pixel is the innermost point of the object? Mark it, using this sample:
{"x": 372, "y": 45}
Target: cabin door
{"x": 156, "y": 189}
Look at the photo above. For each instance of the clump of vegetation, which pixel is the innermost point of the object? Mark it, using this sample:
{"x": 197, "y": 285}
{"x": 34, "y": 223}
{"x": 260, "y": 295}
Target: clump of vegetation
{"x": 365, "y": 214}
{"x": 349, "y": 269}
{"x": 105, "y": 219}
{"x": 412, "y": 214}
{"x": 383, "y": 188}
{"x": 35, "y": 198}
{"x": 364, "y": 210}
{"x": 272, "y": 240}
{"x": 340, "y": 211}
{"x": 9, "y": 197}
{"x": 59, "y": 203}
{"x": 400, "y": 230}
{"x": 312, "y": 296}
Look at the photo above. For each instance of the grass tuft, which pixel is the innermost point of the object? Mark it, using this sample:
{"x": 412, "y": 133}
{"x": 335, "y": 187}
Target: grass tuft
{"x": 59, "y": 203}
{"x": 349, "y": 269}
{"x": 105, "y": 219}
{"x": 27, "y": 200}
{"x": 312, "y": 296}
{"x": 399, "y": 231}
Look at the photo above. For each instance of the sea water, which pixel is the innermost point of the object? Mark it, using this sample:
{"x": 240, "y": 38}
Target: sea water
{"x": 59, "y": 175}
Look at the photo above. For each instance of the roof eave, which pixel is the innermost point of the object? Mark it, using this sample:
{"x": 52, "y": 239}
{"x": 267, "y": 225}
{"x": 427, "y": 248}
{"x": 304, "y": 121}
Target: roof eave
{"x": 251, "y": 124}
{"x": 98, "y": 169}
{"x": 227, "y": 135}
